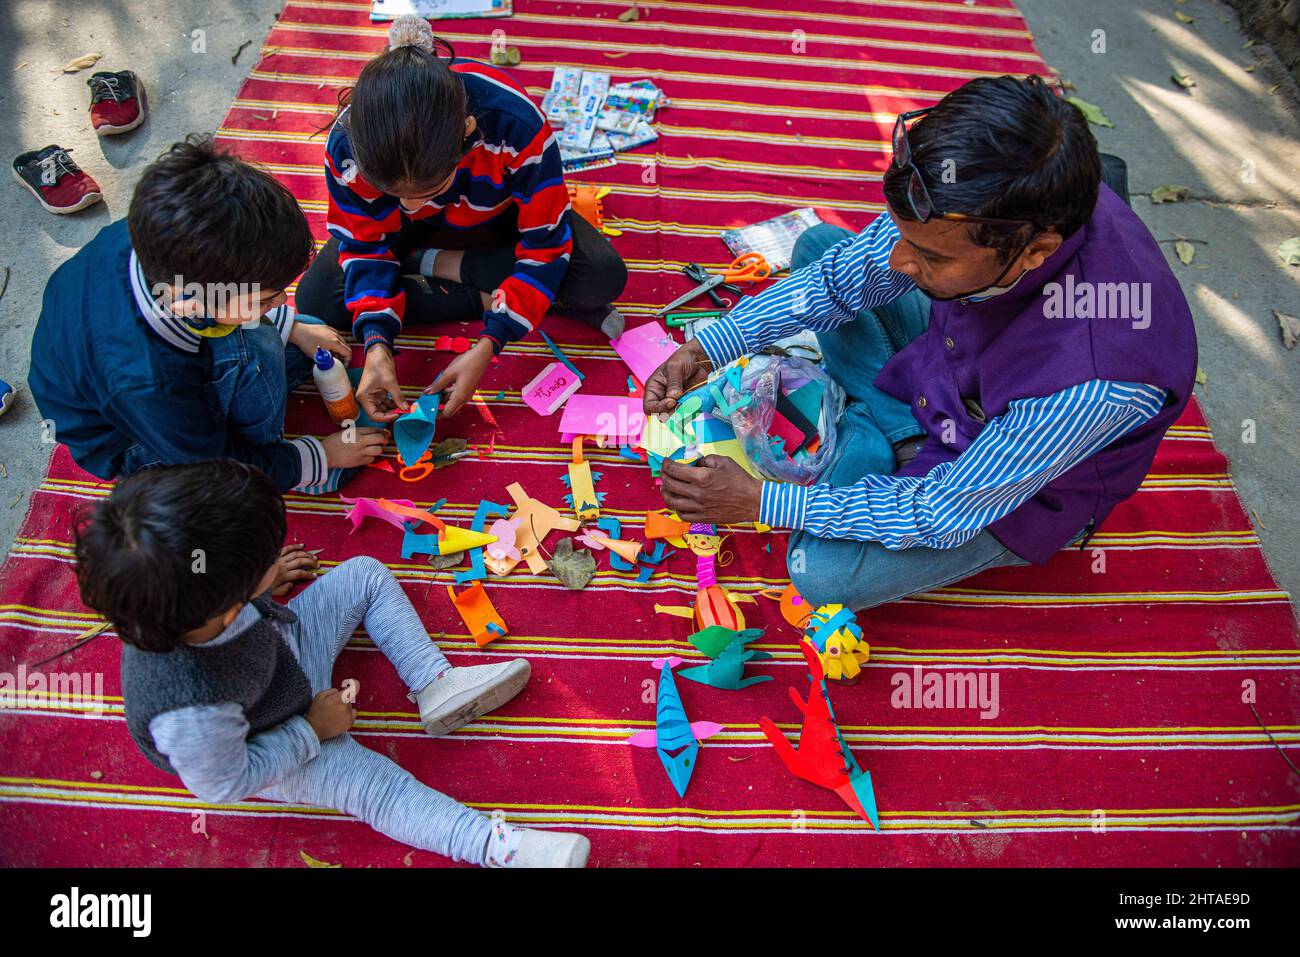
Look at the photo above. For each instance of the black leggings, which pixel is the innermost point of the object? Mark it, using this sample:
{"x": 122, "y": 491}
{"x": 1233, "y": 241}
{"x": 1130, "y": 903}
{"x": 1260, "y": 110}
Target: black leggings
{"x": 595, "y": 277}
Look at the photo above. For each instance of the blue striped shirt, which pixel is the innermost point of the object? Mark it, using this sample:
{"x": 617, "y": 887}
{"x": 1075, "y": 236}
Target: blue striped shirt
{"x": 1016, "y": 454}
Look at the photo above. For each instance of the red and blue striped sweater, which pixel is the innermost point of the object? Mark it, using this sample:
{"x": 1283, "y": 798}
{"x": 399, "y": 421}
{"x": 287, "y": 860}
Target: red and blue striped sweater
{"x": 514, "y": 160}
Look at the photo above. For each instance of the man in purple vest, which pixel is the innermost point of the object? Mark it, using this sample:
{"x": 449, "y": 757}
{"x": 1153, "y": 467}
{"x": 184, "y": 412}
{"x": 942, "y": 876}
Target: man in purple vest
{"x": 1012, "y": 342}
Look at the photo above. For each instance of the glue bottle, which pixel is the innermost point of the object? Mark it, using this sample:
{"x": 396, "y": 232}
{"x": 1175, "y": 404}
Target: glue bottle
{"x": 335, "y": 387}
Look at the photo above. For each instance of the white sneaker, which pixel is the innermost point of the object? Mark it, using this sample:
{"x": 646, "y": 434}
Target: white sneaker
{"x": 511, "y": 846}
{"x": 463, "y": 694}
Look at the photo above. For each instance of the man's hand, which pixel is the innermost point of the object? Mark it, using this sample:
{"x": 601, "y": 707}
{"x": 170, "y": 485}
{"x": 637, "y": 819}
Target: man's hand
{"x": 310, "y": 336}
{"x": 329, "y": 716}
{"x": 378, "y": 391}
{"x": 686, "y": 368}
{"x": 294, "y": 565}
{"x": 714, "y": 490}
{"x": 367, "y": 445}
{"x": 461, "y": 377}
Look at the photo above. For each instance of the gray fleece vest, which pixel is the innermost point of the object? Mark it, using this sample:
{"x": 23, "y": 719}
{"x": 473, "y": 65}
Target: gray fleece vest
{"x": 256, "y": 670}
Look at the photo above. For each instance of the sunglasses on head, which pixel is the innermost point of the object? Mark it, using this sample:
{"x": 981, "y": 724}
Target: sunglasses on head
{"x": 918, "y": 194}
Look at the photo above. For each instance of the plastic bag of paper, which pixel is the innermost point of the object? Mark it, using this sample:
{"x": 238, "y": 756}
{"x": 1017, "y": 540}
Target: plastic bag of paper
{"x": 784, "y": 415}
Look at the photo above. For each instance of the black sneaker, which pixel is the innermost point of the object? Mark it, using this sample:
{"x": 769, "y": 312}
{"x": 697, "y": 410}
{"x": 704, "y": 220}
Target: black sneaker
{"x": 55, "y": 180}
{"x": 117, "y": 102}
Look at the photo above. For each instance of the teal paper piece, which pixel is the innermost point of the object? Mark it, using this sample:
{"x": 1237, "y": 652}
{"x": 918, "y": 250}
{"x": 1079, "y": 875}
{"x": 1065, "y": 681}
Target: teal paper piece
{"x": 413, "y": 432}
{"x": 477, "y": 570}
{"x": 727, "y": 671}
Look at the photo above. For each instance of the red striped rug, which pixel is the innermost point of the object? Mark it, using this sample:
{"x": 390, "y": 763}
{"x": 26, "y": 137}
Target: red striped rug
{"x": 1123, "y": 734}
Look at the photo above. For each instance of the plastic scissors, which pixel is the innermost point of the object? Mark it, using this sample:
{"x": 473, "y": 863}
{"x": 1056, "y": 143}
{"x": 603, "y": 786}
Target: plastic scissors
{"x": 749, "y": 267}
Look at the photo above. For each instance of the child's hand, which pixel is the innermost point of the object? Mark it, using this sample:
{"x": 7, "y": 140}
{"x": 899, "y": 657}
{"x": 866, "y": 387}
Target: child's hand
{"x": 329, "y": 716}
{"x": 378, "y": 391}
{"x": 458, "y": 381}
{"x": 367, "y": 445}
{"x": 309, "y": 336}
{"x": 294, "y": 564}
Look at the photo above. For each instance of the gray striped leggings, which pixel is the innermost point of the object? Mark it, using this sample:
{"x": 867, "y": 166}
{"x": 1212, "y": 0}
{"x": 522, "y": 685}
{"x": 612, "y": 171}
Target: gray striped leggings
{"x": 346, "y": 775}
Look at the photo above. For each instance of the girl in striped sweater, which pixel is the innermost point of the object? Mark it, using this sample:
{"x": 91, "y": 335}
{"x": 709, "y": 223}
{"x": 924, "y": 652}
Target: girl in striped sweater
{"x": 447, "y": 203}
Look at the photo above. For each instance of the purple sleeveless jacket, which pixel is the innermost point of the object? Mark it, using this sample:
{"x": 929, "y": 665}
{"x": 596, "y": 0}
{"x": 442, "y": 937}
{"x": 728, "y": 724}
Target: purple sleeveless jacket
{"x": 1105, "y": 305}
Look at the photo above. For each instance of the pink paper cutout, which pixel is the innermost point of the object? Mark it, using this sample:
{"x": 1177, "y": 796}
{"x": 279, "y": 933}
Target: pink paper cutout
{"x": 550, "y": 388}
{"x": 504, "y": 547}
{"x": 364, "y": 508}
{"x": 644, "y": 348}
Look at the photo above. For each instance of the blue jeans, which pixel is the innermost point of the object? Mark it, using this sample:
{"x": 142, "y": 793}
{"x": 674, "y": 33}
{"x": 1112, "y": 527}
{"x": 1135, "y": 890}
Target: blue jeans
{"x": 252, "y": 376}
{"x": 865, "y": 574}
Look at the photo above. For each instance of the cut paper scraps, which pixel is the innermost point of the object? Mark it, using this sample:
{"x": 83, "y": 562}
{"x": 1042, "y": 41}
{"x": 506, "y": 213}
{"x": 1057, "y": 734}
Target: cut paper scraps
{"x": 550, "y": 388}
{"x": 613, "y": 419}
{"x": 478, "y": 613}
{"x": 823, "y": 757}
{"x": 727, "y": 669}
{"x": 625, "y": 555}
{"x": 644, "y": 349}
{"x": 666, "y": 525}
{"x": 674, "y": 736}
{"x": 533, "y": 522}
{"x": 413, "y": 432}
{"x": 834, "y": 633}
{"x": 364, "y": 508}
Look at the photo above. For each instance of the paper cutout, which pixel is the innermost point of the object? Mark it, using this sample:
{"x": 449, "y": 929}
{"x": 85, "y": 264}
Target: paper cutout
{"x": 626, "y": 550}
{"x": 413, "y": 513}
{"x": 504, "y": 547}
{"x": 364, "y": 508}
{"x": 575, "y": 568}
{"x": 665, "y": 524}
{"x": 644, "y": 348}
{"x": 478, "y": 613}
{"x": 727, "y": 670}
{"x": 674, "y": 736}
{"x": 555, "y": 350}
{"x": 477, "y": 570}
{"x": 413, "y": 432}
{"x": 712, "y": 641}
{"x": 794, "y": 608}
{"x": 448, "y": 542}
{"x": 349, "y": 688}
{"x": 613, "y": 418}
{"x": 534, "y": 521}
{"x": 834, "y": 633}
{"x": 583, "y": 497}
{"x": 823, "y": 757}
{"x": 658, "y": 439}
{"x": 550, "y": 388}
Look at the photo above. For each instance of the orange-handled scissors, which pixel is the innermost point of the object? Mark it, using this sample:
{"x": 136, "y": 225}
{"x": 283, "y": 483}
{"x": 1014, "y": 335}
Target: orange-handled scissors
{"x": 749, "y": 267}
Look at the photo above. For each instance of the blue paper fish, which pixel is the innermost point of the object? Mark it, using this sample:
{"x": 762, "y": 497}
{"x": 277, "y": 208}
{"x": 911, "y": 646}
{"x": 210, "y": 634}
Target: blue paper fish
{"x": 676, "y": 738}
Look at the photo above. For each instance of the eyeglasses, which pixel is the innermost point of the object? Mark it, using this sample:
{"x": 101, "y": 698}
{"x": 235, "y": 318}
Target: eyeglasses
{"x": 918, "y": 194}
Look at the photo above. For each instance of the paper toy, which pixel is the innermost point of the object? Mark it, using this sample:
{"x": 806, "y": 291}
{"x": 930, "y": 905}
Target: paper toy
{"x": 504, "y": 547}
{"x": 644, "y": 348}
{"x": 350, "y": 688}
{"x": 625, "y": 555}
{"x": 477, "y": 570}
{"x": 413, "y": 513}
{"x": 450, "y": 541}
{"x": 533, "y": 522}
{"x": 614, "y": 418}
{"x": 478, "y": 613}
{"x": 583, "y": 497}
{"x": 676, "y": 738}
{"x": 823, "y": 757}
{"x": 574, "y": 567}
{"x": 712, "y": 641}
{"x": 413, "y": 432}
{"x": 714, "y": 605}
{"x": 727, "y": 670}
{"x": 550, "y": 388}
{"x": 586, "y": 202}
{"x": 835, "y": 635}
{"x": 555, "y": 351}
{"x": 364, "y": 508}
{"x": 666, "y": 525}
{"x": 794, "y": 608}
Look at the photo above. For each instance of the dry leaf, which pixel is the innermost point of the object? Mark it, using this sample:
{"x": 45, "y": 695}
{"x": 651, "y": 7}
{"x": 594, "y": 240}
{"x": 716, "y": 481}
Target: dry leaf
{"x": 1184, "y": 17}
{"x": 1201, "y": 377}
{"x": 1169, "y": 194}
{"x": 81, "y": 62}
{"x": 628, "y": 15}
{"x": 1289, "y": 250}
{"x": 1184, "y": 80}
{"x": 1290, "y": 326}
{"x": 1091, "y": 111}
{"x": 1185, "y": 250}
{"x": 312, "y": 862}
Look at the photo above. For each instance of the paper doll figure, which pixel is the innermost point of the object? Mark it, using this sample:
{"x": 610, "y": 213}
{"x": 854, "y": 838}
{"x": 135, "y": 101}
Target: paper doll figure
{"x": 676, "y": 738}
{"x": 834, "y": 633}
{"x": 727, "y": 669}
{"x": 823, "y": 757}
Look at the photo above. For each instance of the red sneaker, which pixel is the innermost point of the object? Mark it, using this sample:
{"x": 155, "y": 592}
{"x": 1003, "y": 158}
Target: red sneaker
{"x": 57, "y": 183}
{"x": 117, "y": 102}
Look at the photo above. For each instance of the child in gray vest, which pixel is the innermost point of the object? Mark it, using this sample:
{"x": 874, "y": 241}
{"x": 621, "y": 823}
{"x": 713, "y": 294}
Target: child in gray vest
{"x": 232, "y": 691}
